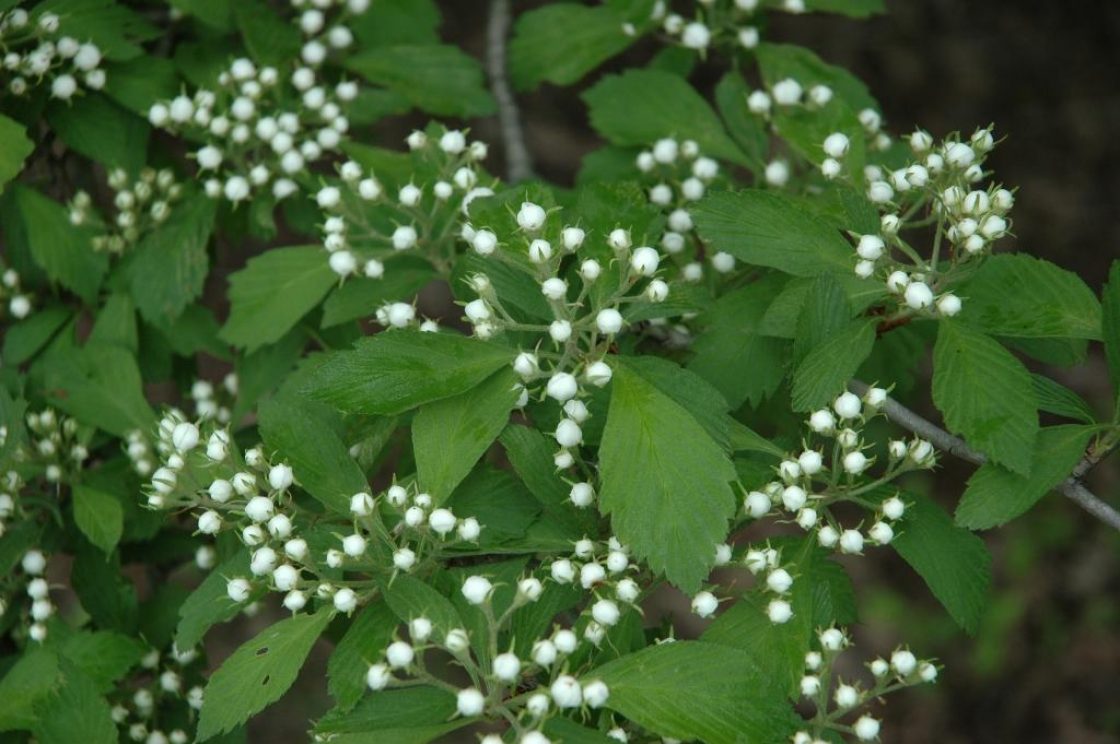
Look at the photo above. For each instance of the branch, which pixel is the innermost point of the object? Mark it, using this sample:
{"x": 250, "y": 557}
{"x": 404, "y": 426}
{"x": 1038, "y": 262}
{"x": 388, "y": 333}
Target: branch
{"x": 1072, "y": 487}
{"x": 519, "y": 165}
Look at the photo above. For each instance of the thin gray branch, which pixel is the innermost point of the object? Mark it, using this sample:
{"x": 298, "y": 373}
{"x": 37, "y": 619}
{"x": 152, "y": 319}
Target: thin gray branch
{"x": 519, "y": 164}
{"x": 1072, "y": 487}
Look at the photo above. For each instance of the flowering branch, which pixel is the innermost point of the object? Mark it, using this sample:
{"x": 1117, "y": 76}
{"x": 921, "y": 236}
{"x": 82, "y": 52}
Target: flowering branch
{"x": 519, "y": 165}
{"x": 1071, "y": 487}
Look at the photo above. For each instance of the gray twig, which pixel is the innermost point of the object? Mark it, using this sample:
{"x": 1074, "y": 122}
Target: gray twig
{"x": 1072, "y": 487}
{"x": 519, "y": 165}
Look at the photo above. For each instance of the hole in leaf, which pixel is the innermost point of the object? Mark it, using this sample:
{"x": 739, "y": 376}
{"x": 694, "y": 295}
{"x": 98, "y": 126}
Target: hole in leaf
{"x": 264, "y": 681}
{"x": 262, "y": 650}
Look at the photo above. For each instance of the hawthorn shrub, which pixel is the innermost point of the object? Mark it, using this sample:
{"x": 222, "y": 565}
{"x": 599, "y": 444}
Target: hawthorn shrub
{"x": 678, "y": 376}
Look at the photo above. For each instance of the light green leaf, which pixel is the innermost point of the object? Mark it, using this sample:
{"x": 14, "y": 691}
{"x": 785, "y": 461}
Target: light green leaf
{"x": 562, "y": 42}
{"x": 826, "y": 369}
{"x": 170, "y": 263}
{"x": 78, "y": 707}
{"x": 104, "y": 656}
{"x": 62, "y": 250}
{"x": 364, "y": 643}
{"x": 1020, "y": 296}
{"x": 764, "y": 228}
{"x": 259, "y": 672}
{"x": 95, "y": 126}
{"x": 1055, "y": 398}
{"x": 665, "y": 481}
{"x": 699, "y": 691}
{"x": 15, "y": 146}
{"x": 450, "y": 435}
{"x": 395, "y": 371}
{"x": 27, "y": 682}
{"x": 639, "y": 107}
{"x": 270, "y": 295}
{"x": 691, "y": 392}
{"x": 986, "y": 395}
{"x": 954, "y": 563}
{"x": 437, "y": 78}
{"x": 308, "y": 435}
{"x": 99, "y": 516}
{"x": 995, "y": 495}
{"x": 783, "y": 318}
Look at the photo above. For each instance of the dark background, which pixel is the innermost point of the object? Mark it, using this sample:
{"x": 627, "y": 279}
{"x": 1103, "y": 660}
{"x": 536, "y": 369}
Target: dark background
{"x": 1045, "y": 666}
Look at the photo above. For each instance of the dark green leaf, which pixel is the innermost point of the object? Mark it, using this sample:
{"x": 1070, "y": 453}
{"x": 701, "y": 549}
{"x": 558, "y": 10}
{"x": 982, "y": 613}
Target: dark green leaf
{"x": 269, "y": 38}
{"x": 98, "y": 128}
{"x": 986, "y": 395}
{"x": 360, "y": 297}
{"x": 410, "y": 598}
{"x": 170, "y": 263}
{"x": 209, "y": 603}
{"x": 745, "y": 127}
{"x": 14, "y": 149}
{"x": 364, "y": 643}
{"x": 780, "y": 61}
{"x": 826, "y": 369}
{"x": 78, "y": 707}
{"x": 31, "y": 680}
{"x": 62, "y": 250}
{"x": 437, "y": 78}
{"x": 99, "y": 385}
{"x": 1110, "y": 325}
{"x": 24, "y": 339}
{"x": 562, "y": 42}
{"x": 1055, "y": 398}
{"x": 415, "y": 715}
{"x": 138, "y": 83}
{"x": 116, "y": 324}
{"x": 104, "y": 656}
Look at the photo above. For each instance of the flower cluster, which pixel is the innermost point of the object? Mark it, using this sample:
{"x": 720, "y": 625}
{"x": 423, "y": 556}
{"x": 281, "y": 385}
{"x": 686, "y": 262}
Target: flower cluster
{"x": 812, "y": 481}
{"x": 323, "y": 26}
{"x": 214, "y": 402}
{"x": 677, "y": 175}
{"x": 836, "y": 699}
{"x": 140, "y": 205}
{"x": 160, "y": 701}
{"x": 36, "y": 51}
{"x": 18, "y": 303}
{"x": 28, "y": 582}
{"x": 262, "y": 131}
{"x": 55, "y": 445}
{"x": 367, "y": 221}
{"x": 718, "y": 23}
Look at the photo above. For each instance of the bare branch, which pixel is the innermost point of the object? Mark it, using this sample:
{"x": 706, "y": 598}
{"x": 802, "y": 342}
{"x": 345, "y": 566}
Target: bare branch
{"x": 519, "y": 165}
{"x": 1072, "y": 487}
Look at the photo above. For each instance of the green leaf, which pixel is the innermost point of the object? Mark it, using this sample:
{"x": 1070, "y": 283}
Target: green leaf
{"x": 209, "y": 603}
{"x": 99, "y": 516}
{"x": 986, "y": 395}
{"x": 23, "y": 340}
{"x": 137, "y": 83}
{"x": 824, "y": 372}
{"x": 641, "y": 106}
{"x": 259, "y": 672}
{"x": 563, "y": 42}
{"x": 696, "y": 690}
{"x": 437, "y": 78}
{"x": 360, "y": 297}
{"x": 395, "y": 371}
{"x": 665, "y": 481}
{"x": 15, "y": 146}
{"x": 780, "y": 61}
{"x": 410, "y": 598}
{"x": 270, "y": 295}
{"x": 365, "y": 641}
{"x": 414, "y": 715}
{"x": 450, "y": 435}
{"x": 95, "y": 126}
{"x": 995, "y": 495}
{"x": 62, "y": 250}
{"x": 783, "y": 318}
{"x": 703, "y": 401}
{"x": 764, "y": 228}
{"x": 389, "y": 22}
{"x": 1055, "y": 398}
{"x": 78, "y": 707}
{"x": 116, "y": 323}
{"x": 746, "y": 128}
{"x": 104, "y": 656}
{"x": 170, "y": 263}
{"x": 1110, "y": 325}
{"x": 530, "y": 454}
{"x": 954, "y": 563}
{"x": 500, "y": 502}
{"x": 112, "y": 26}
{"x": 1020, "y": 296}
{"x": 269, "y": 38}
{"x": 853, "y": 8}
{"x": 99, "y": 385}
{"x": 32, "y": 679}
{"x": 805, "y": 130}
{"x": 825, "y": 311}
{"x": 308, "y": 435}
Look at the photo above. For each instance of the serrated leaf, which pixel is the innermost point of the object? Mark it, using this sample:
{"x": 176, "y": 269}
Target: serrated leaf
{"x": 392, "y": 372}
{"x": 995, "y": 495}
{"x": 437, "y": 78}
{"x": 170, "y": 263}
{"x": 99, "y": 385}
{"x": 209, "y": 603}
{"x": 745, "y": 127}
{"x": 99, "y": 516}
{"x": 112, "y": 26}
{"x": 985, "y": 394}
{"x": 137, "y": 83}
{"x": 258, "y": 673}
{"x": 665, "y": 481}
{"x": 499, "y": 501}
{"x": 360, "y": 297}
{"x": 104, "y": 656}
{"x": 1016, "y": 295}
{"x": 780, "y": 61}
{"x": 825, "y": 311}
{"x": 78, "y": 706}
{"x": 116, "y": 323}
{"x": 764, "y": 228}
{"x": 784, "y": 315}
{"x": 697, "y": 690}
{"x": 269, "y": 38}
{"x": 530, "y": 455}
{"x": 691, "y": 392}
{"x": 95, "y": 126}
{"x": 641, "y": 106}
{"x": 390, "y": 22}
{"x": 307, "y": 434}
{"x": 1055, "y": 398}
{"x": 27, "y": 682}
{"x": 23, "y": 340}
{"x": 15, "y": 146}
{"x": 414, "y": 715}
{"x": 562, "y": 42}
{"x": 270, "y": 295}
{"x": 363, "y": 644}
{"x": 953, "y": 562}
{"x": 62, "y": 250}
{"x": 826, "y": 369}
{"x": 410, "y": 598}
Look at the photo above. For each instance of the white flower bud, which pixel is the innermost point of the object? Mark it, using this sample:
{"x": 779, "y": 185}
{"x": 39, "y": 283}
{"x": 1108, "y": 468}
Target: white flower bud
{"x": 893, "y": 508}
{"x": 757, "y": 504}
{"x": 598, "y": 373}
{"x": 855, "y": 462}
{"x": 238, "y": 590}
{"x": 903, "y": 662}
{"x": 847, "y": 406}
{"x": 779, "y": 581}
{"x": 609, "y": 321}
{"x": 404, "y": 237}
{"x": 836, "y": 145}
{"x": 210, "y": 522}
{"x": 476, "y": 589}
{"x": 787, "y": 92}
{"x": 779, "y": 611}
{"x": 851, "y": 541}
{"x": 566, "y": 692}
{"x": 644, "y": 261}
{"x": 759, "y": 102}
{"x": 881, "y": 533}
{"x": 590, "y": 270}
{"x": 404, "y": 559}
{"x": 531, "y": 217}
